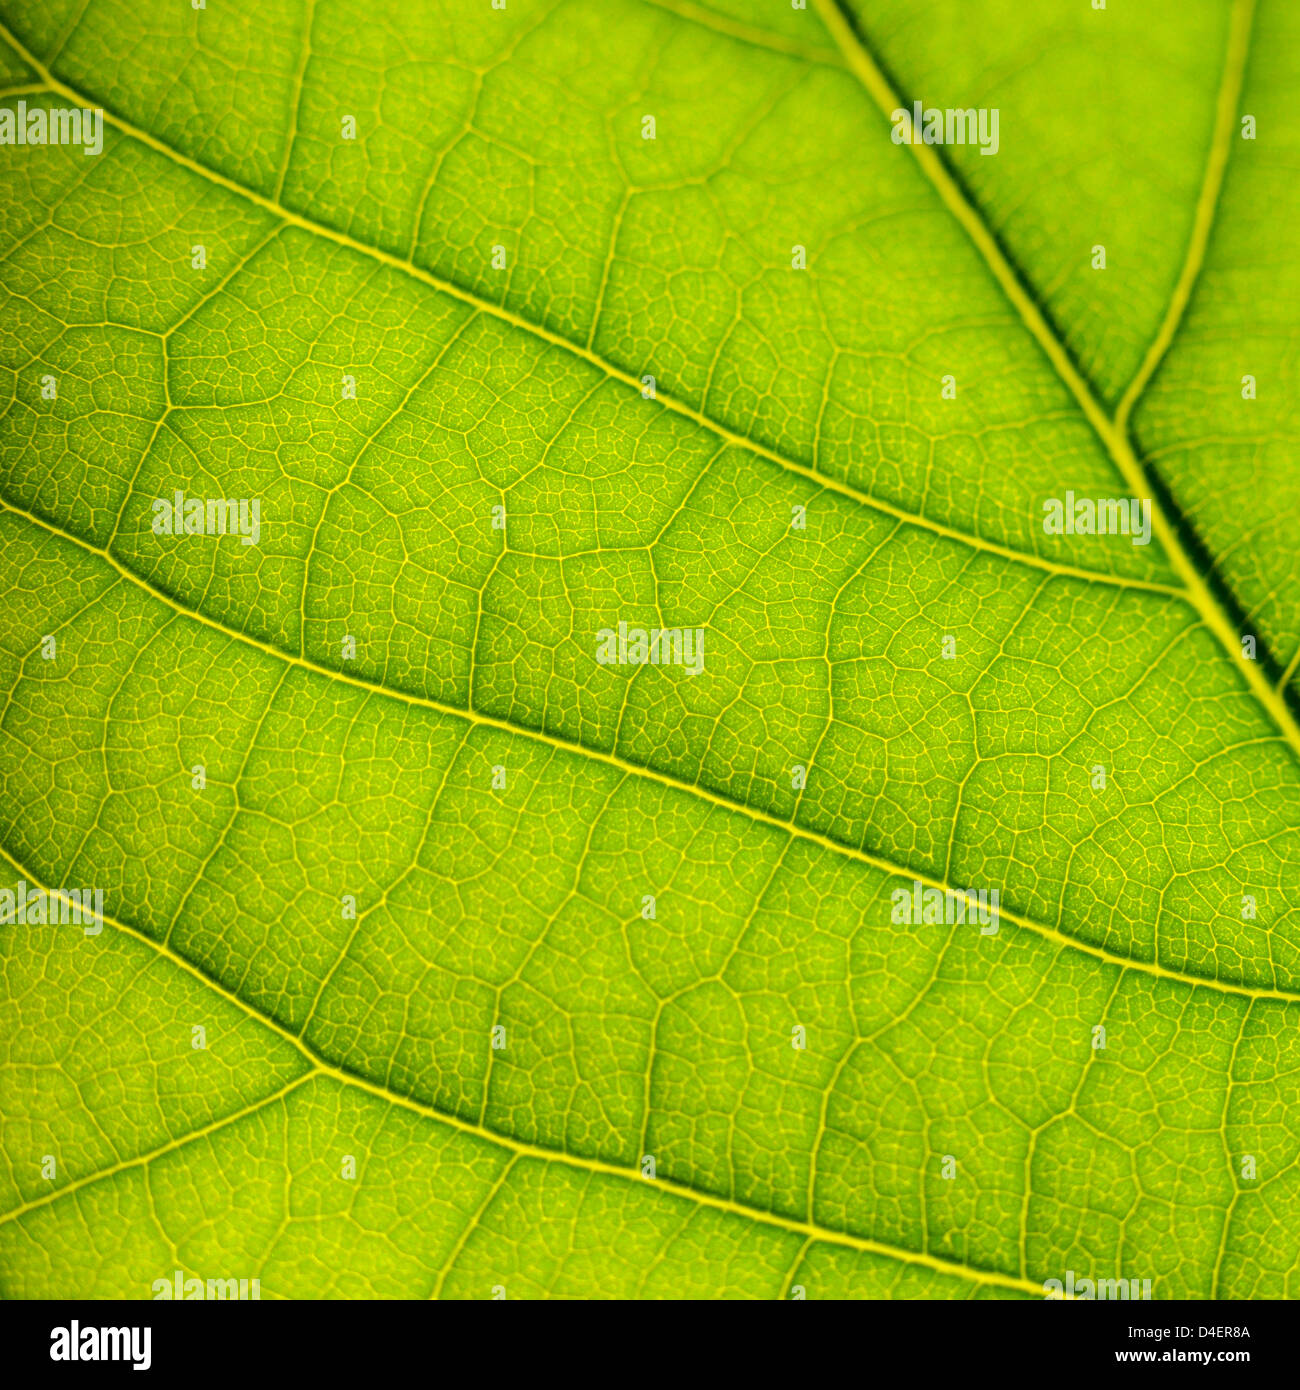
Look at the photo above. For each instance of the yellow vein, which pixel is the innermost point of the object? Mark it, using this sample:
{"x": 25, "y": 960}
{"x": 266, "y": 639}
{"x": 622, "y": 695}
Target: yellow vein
{"x": 473, "y": 1224}
{"x": 1115, "y": 439}
{"x": 298, "y": 82}
{"x": 1225, "y": 120}
{"x": 321, "y": 1067}
{"x": 613, "y": 760}
{"x": 748, "y": 33}
{"x": 1290, "y": 671}
{"x": 593, "y": 359}
{"x": 171, "y": 1146}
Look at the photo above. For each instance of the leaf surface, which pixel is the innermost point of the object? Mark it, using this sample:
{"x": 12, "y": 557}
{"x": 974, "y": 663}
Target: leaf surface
{"x": 930, "y": 1047}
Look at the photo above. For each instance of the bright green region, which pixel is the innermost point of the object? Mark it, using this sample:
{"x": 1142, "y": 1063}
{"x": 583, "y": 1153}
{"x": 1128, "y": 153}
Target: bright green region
{"x": 444, "y": 958}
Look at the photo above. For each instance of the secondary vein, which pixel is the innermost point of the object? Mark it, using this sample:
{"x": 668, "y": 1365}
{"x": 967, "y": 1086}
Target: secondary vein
{"x": 321, "y": 1066}
{"x": 1109, "y": 431}
{"x": 558, "y": 340}
{"x": 626, "y": 765}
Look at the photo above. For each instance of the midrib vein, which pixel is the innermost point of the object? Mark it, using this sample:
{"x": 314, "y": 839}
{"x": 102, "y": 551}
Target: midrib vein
{"x": 1112, "y": 432}
{"x": 639, "y": 770}
{"x": 320, "y": 1066}
{"x": 568, "y": 345}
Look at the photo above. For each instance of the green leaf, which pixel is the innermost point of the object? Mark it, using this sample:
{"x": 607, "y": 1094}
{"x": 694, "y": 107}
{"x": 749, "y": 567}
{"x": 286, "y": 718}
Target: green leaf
{"x": 644, "y": 884}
